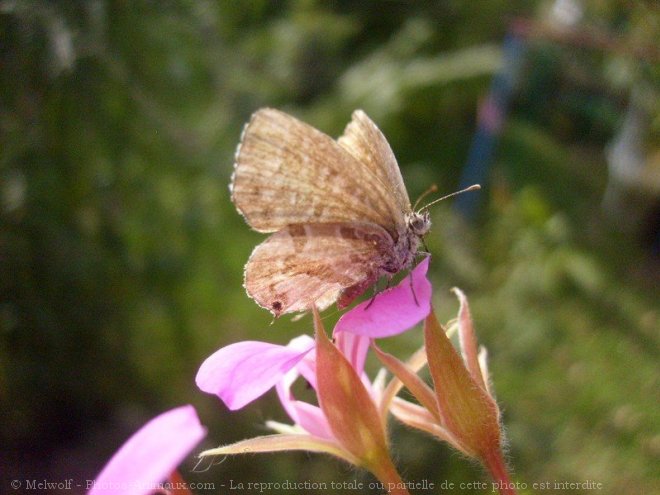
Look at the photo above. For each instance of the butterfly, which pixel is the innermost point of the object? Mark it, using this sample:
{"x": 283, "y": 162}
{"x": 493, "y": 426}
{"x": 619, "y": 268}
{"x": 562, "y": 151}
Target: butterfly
{"x": 338, "y": 211}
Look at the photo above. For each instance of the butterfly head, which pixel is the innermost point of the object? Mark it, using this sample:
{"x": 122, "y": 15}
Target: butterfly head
{"x": 419, "y": 222}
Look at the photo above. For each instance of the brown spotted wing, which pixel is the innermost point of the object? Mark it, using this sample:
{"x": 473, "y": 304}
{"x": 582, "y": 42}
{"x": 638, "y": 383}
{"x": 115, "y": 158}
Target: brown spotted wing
{"x": 338, "y": 211}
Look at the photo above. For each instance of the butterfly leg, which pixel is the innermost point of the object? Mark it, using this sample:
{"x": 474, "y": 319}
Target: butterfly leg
{"x": 387, "y": 286}
{"x": 371, "y": 301}
{"x": 412, "y": 289}
{"x": 373, "y": 298}
{"x": 349, "y": 294}
{"x": 426, "y": 249}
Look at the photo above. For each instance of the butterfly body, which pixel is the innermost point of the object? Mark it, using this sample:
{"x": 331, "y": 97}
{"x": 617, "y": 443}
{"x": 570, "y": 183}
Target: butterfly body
{"x": 399, "y": 257}
{"x": 338, "y": 211}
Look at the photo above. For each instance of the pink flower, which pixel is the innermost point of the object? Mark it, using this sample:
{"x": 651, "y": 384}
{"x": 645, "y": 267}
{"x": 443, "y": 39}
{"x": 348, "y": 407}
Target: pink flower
{"x": 151, "y": 454}
{"x": 242, "y": 372}
{"x": 348, "y": 422}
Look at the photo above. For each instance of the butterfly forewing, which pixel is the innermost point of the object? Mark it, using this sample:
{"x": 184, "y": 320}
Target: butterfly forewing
{"x": 307, "y": 264}
{"x": 368, "y": 145}
{"x": 287, "y": 172}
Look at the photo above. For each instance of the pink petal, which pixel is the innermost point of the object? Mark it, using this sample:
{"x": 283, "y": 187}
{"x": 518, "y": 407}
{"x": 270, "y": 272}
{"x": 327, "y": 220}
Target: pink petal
{"x": 283, "y": 388}
{"x": 394, "y": 310}
{"x": 307, "y": 366}
{"x": 354, "y": 347}
{"x": 241, "y": 372}
{"x": 151, "y": 454}
{"x": 312, "y": 420}
{"x": 308, "y": 416}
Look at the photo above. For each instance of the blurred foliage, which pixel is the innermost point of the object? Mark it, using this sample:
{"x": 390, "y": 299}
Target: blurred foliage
{"x": 121, "y": 255}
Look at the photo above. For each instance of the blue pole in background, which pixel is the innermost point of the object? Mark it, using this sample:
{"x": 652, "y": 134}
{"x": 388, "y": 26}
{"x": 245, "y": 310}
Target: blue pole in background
{"x": 491, "y": 115}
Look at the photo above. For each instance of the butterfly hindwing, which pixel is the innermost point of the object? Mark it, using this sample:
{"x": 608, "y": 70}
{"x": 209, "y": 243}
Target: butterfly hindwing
{"x": 308, "y": 264}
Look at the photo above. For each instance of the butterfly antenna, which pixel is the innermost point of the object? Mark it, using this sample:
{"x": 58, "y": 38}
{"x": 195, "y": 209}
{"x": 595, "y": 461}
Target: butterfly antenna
{"x": 430, "y": 190}
{"x": 474, "y": 187}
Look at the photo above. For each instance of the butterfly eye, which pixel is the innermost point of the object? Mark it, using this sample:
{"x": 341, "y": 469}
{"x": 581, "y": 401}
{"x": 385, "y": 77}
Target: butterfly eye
{"x": 419, "y": 224}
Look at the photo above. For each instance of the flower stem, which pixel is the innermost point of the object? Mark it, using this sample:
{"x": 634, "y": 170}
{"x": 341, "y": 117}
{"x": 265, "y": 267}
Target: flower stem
{"x": 495, "y": 464}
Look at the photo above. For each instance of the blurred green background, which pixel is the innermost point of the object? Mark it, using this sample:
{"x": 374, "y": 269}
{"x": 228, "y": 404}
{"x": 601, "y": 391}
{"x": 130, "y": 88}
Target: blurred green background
{"x": 121, "y": 255}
